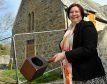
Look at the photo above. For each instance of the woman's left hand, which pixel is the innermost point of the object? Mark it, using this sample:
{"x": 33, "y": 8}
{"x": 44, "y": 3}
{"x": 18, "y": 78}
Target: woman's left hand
{"x": 58, "y": 57}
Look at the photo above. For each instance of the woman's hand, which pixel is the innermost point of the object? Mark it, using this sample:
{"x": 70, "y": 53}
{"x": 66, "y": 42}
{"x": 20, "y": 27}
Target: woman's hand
{"x": 57, "y": 57}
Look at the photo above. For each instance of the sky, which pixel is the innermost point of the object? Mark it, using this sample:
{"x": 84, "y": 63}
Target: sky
{"x": 102, "y": 2}
{"x": 13, "y": 6}
{"x": 9, "y": 6}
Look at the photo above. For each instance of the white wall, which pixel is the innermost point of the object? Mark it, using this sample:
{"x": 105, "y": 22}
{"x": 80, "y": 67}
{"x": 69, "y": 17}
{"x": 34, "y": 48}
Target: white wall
{"x": 100, "y": 25}
{"x": 4, "y": 59}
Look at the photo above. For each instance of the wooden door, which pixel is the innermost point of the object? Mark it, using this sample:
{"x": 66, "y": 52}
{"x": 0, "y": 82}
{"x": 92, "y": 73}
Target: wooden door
{"x": 30, "y": 48}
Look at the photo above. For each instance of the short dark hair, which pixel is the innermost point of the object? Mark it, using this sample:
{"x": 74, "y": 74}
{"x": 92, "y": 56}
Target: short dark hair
{"x": 77, "y": 5}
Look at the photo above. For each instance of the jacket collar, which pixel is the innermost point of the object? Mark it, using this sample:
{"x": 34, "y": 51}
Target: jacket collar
{"x": 77, "y": 27}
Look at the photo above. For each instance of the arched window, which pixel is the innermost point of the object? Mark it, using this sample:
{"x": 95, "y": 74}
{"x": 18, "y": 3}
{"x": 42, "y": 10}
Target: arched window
{"x": 31, "y": 22}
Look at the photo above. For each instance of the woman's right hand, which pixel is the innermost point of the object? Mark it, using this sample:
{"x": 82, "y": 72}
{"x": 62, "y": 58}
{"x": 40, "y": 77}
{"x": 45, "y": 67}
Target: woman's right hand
{"x": 51, "y": 59}
{"x": 57, "y": 57}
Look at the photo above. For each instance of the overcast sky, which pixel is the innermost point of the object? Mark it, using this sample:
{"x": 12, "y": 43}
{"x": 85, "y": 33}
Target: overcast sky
{"x": 13, "y": 5}
{"x": 102, "y": 2}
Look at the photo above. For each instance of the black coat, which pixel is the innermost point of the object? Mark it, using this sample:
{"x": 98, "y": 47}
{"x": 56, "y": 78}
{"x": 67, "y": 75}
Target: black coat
{"x": 84, "y": 58}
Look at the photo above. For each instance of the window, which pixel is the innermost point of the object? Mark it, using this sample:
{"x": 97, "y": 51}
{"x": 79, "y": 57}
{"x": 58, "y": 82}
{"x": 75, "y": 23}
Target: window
{"x": 92, "y": 17}
{"x": 31, "y": 22}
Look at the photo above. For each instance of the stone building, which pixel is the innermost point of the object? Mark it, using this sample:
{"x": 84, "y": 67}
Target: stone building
{"x": 39, "y": 26}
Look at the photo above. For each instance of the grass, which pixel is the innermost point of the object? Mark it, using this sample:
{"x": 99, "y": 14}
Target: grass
{"x": 7, "y": 80}
{"x": 12, "y": 74}
{"x": 42, "y": 79}
{"x": 48, "y": 77}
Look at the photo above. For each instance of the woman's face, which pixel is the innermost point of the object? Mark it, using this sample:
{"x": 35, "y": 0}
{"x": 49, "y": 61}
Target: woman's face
{"x": 75, "y": 14}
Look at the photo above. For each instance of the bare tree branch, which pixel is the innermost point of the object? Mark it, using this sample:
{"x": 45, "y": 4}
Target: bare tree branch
{"x": 6, "y": 20}
{"x": 6, "y": 23}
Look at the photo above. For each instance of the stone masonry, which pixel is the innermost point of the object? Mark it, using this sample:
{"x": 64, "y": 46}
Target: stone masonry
{"x": 48, "y": 16}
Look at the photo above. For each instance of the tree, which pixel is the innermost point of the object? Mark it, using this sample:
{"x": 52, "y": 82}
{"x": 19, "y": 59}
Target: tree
{"x": 6, "y": 24}
{"x": 6, "y": 21}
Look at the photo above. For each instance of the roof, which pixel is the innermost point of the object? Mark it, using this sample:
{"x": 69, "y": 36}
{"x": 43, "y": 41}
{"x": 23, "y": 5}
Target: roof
{"x": 86, "y": 6}
{"x": 83, "y": 4}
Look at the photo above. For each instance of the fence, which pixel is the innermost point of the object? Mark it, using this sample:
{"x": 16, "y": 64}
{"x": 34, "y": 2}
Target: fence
{"x": 47, "y": 44}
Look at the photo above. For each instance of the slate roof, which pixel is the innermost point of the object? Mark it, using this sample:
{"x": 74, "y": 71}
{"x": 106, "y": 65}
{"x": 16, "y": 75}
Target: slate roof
{"x": 85, "y": 6}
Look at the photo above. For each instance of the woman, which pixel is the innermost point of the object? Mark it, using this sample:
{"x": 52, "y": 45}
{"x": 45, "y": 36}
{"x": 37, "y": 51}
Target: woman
{"x": 79, "y": 53}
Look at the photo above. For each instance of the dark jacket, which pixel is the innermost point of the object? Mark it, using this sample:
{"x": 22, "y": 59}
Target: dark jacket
{"x": 84, "y": 58}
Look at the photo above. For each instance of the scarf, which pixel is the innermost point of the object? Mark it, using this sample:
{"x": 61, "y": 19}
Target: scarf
{"x": 66, "y": 45}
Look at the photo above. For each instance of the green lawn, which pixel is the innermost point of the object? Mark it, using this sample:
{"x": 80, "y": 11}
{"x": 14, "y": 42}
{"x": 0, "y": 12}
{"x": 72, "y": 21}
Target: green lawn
{"x": 42, "y": 79}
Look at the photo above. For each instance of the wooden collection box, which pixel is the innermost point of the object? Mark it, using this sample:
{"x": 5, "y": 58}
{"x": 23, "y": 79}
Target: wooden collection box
{"x": 33, "y": 67}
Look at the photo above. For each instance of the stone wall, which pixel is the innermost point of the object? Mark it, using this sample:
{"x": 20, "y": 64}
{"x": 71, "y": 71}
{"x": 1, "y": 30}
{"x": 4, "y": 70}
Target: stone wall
{"x": 102, "y": 47}
{"x": 102, "y": 43}
{"x": 48, "y": 16}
